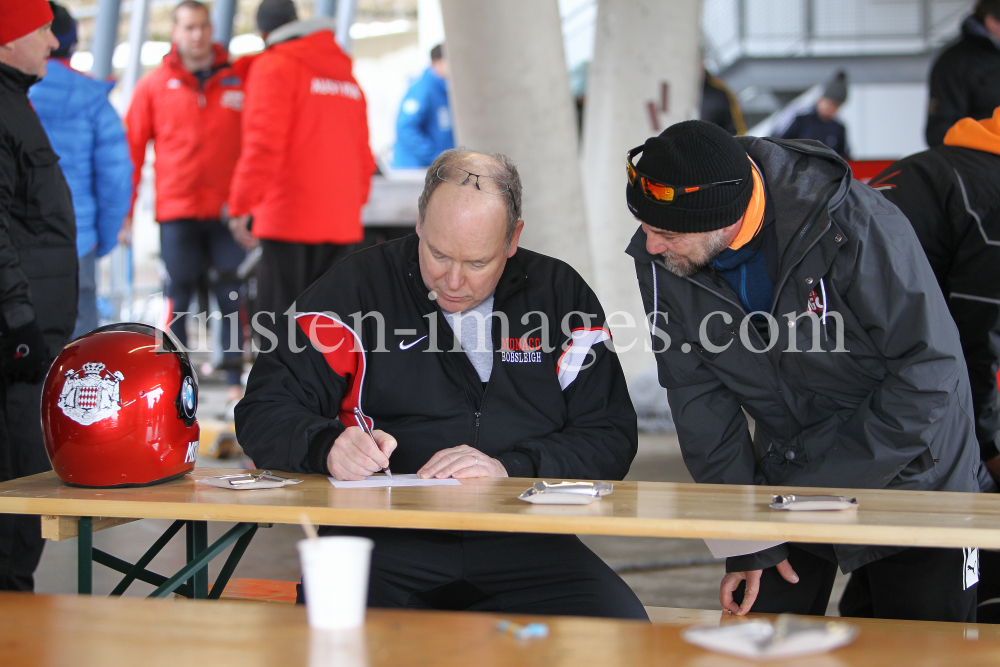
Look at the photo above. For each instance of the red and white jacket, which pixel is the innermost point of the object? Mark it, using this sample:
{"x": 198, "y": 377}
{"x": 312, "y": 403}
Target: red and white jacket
{"x": 556, "y": 404}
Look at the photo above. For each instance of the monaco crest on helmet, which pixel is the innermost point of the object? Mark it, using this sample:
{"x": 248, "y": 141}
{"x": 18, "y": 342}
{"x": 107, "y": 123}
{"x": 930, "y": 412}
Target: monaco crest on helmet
{"x": 90, "y": 394}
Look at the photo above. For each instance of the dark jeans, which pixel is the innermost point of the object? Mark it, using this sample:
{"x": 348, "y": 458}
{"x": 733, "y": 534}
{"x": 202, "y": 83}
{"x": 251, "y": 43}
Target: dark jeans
{"x": 86, "y": 305}
{"x": 22, "y": 452}
{"x": 915, "y": 584}
{"x": 499, "y": 572}
{"x": 287, "y": 269}
{"x": 189, "y": 248}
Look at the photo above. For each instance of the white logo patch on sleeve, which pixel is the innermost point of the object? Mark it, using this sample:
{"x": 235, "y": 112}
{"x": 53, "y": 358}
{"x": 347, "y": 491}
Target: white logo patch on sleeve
{"x": 410, "y": 106}
{"x": 970, "y": 576}
{"x": 577, "y": 356}
{"x": 90, "y": 394}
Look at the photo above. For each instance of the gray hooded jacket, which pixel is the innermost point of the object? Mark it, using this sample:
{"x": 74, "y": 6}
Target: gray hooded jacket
{"x": 863, "y": 383}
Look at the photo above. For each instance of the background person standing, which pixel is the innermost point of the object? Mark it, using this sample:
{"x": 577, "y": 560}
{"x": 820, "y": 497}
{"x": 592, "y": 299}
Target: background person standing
{"x": 423, "y": 127}
{"x": 38, "y": 271}
{"x": 190, "y": 108}
{"x": 306, "y": 167}
{"x": 821, "y": 123}
{"x": 965, "y": 79}
{"x": 87, "y": 134}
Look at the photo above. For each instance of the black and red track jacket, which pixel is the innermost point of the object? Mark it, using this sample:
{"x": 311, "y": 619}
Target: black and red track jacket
{"x": 556, "y": 404}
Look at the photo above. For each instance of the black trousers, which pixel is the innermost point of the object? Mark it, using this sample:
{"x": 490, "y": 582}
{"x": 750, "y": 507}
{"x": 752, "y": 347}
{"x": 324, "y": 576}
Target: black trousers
{"x": 914, "y": 584}
{"x": 500, "y": 572}
{"x": 285, "y": 271}
{"x": 22, "y": 452}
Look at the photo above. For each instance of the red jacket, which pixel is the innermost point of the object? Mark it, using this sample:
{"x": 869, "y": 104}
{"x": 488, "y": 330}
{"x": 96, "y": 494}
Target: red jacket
{"x": 195, "y": 131}
{"x": 306, "y": 166}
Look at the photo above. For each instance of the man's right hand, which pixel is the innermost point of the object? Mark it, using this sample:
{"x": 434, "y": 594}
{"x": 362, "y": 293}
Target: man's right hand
{"x": 354, "y": 456}
{"x": 733, "y": 579}
{"x": 125, "y": 233}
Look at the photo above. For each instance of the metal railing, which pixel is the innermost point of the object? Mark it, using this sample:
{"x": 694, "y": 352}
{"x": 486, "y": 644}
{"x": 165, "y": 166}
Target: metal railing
{"x": 734, "y": 29}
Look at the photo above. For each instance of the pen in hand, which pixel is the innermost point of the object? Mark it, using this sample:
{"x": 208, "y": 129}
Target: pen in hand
{"x": 362, "y": 421}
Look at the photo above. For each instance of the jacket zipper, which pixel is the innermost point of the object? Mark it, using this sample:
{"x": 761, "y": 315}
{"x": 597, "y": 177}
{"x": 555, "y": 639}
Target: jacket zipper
{"x": 479, "y": 412}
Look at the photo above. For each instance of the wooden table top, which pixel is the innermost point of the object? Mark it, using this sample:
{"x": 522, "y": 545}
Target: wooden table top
{"x": 44, "y": 631}
{"x": 650, "y": 509}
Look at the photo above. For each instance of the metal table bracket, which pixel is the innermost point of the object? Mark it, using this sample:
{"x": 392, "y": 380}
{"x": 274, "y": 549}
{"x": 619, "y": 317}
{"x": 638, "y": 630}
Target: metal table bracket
{"x": 190, "y": 581}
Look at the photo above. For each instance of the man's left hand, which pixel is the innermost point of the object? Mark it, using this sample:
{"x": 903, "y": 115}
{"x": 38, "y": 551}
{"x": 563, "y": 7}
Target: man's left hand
{"x": 461, "y": 462}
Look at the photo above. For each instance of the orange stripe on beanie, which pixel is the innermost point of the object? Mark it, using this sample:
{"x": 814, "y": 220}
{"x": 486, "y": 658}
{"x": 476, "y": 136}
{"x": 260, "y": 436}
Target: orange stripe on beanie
{"x": 20, "y": 17}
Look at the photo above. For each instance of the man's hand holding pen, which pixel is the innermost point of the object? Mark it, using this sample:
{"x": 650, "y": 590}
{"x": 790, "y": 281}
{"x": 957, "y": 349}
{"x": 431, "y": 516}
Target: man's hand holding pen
{"x": 356, "y": 456}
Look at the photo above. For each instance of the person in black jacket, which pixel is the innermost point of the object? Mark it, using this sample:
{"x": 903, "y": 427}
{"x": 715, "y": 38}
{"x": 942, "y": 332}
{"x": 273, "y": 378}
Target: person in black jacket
{"x": 951, "y": 196}
{"x": 783, "y": 289}
{"x": 821, "y": 124}
{"x": 719, "y": 105}
{"x": 965, "y": 79}
{"x": 472, "y": 357}
{"x": 38, "y": 271}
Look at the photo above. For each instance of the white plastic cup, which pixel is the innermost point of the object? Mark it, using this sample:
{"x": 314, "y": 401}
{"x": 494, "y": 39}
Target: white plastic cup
{"x": 335, "y": 575}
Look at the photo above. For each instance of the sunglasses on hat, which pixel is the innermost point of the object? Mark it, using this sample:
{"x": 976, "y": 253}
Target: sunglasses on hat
{"x": 660, "y": 192}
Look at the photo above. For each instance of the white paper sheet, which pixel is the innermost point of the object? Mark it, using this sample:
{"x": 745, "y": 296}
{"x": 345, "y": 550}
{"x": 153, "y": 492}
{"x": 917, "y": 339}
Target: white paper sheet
{"x": 727, "y": 548}
{"x": 379, "y": 481}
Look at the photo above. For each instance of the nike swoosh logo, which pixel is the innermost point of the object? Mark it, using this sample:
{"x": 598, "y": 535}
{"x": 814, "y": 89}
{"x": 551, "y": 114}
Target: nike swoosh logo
{"x": 404, "y": 346}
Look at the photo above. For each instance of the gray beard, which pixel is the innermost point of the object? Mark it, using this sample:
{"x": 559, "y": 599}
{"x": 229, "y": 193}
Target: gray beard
{"x": 685, "y": 266}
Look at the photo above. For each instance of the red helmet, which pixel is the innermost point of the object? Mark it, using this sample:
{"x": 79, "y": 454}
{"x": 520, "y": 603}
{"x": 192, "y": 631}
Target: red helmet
{"x": 118, "y": 408}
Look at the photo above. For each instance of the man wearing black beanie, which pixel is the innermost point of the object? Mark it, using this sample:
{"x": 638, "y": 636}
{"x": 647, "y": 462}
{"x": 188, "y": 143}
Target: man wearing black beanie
{"x": 779, "y": 287}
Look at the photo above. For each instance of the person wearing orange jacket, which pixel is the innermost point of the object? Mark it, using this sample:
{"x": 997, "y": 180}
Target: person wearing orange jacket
{"x": 306, "y": 167}
{"x": 191, "y": 108}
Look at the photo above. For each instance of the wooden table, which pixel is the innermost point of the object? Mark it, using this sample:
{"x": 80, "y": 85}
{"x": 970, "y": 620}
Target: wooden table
{"x": 649, "y": 509}
{"x": 44, "y": 631}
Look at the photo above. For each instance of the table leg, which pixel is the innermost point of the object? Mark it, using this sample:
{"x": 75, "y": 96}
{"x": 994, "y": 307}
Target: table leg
{"x": 197, "y": 543}
{"x": 84, "y": 555}
{"x": 200, "y": 560}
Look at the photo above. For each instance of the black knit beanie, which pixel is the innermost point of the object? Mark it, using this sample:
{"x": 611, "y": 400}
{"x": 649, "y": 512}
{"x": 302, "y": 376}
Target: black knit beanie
{"x": 272, "y": 14}
{"x": 688, "y": 154}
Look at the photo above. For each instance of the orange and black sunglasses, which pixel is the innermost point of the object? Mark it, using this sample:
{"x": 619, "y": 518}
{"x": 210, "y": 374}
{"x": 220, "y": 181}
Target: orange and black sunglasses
{"x": 660, "y": 193}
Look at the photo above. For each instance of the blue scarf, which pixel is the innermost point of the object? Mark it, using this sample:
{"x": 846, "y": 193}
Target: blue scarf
{"x": 746, "y": 272}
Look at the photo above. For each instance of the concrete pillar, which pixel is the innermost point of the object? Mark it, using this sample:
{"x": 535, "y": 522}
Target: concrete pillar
{"x": 510, "y": 94}
{"x": 645, "y": 76}
{"x": 326, "y": 8}
{"x": 105, "y": 38}
{"x": 223, "y": 12}
{"x": 136, "y": 38}
{"x": 345, "y": 19}
{"x": 430, "y": 27}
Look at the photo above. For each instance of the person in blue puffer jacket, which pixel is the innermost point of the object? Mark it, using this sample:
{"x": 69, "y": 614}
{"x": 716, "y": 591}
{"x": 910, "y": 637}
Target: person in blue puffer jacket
{"x": 87, "y": 134}
{"x": 423, "y": 127}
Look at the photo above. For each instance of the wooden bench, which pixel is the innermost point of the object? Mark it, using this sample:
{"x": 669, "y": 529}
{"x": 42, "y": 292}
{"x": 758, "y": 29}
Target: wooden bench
{"x": 260, "y": 591}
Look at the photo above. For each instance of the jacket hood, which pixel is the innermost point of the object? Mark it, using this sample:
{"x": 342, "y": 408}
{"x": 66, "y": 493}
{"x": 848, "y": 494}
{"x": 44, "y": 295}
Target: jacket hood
{"x": 304, "y": 28}
{"x": 314, "y": 49}
{"x": 973, "y": 27}
{"x": 799, "y": 174}
{"x": 980, "y": 135}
